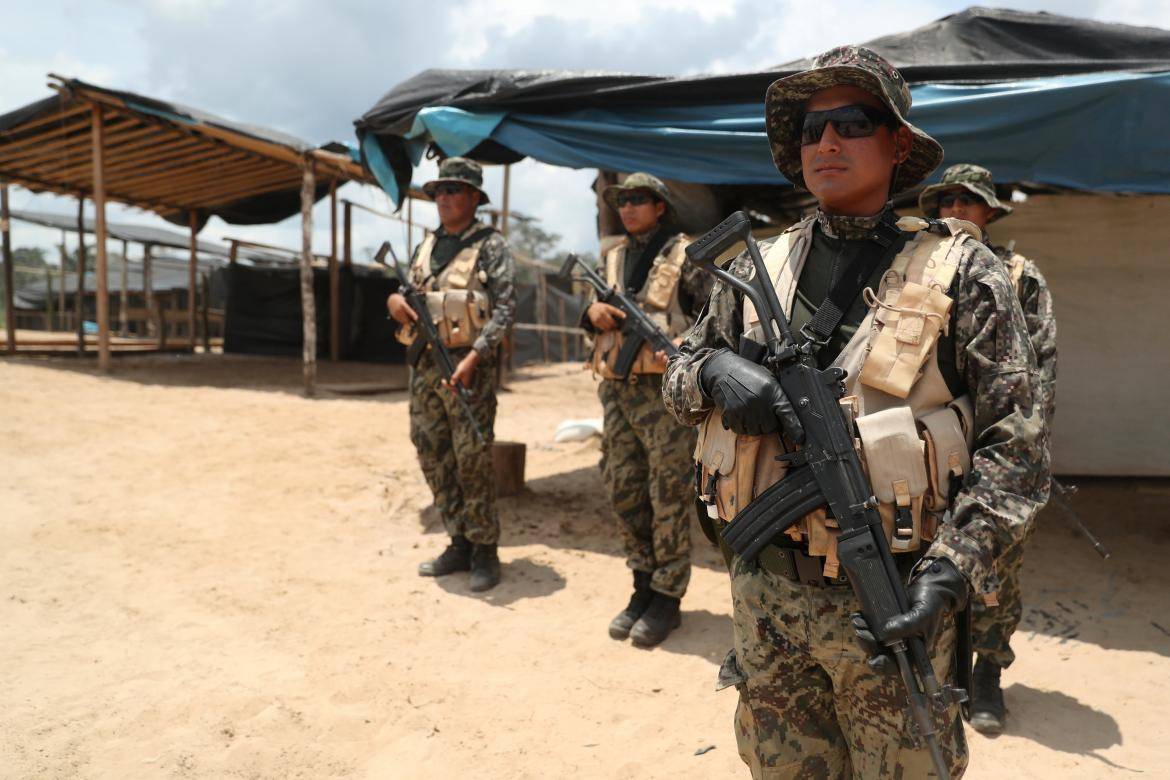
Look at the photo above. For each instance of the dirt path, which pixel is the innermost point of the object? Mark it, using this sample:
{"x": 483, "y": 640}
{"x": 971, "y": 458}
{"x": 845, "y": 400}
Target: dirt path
{"x": 204, "y": 575}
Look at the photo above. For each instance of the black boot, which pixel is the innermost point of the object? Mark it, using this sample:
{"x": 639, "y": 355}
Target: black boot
{"x": 987, "y": 710}
{"x": 619, "y": 627}
{"x": 457, "y": 557}
{"x": 485, "y": 567}
{"x": 656, "y": 623}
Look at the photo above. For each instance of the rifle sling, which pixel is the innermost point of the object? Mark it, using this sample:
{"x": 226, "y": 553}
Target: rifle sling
{"x": 880, "y": 247}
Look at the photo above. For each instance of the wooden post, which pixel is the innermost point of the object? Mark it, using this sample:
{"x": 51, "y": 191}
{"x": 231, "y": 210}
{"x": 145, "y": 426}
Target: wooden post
{"x": 234, "y": 252}
{"x": 48, "y": 298}
{"x": 148, "y": 289}
{"x": 334, "y": 277}
{"x": 564, "y": 334}
{"x": 61, "y": 313}
{"x": 206, "y": 301}
{"x": 541, "y": 317}
{"x": 504, "y": 201}
{"x": 124, "y": 298}
{"x": 348, "y": 230}
{"x": 193, "y": 221}
{"x": 81, "y": 276}
{"x": 308, "y": 311}
{"x": 99, "y": 229}
{"x": 6, "y": 249}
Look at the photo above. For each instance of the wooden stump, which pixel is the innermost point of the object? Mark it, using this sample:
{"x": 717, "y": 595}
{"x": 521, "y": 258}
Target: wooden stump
{"x": 508, "y": 463}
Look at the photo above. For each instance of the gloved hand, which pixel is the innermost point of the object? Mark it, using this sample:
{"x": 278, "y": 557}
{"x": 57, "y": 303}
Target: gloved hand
{"x": 748, "y": 396}
{"x": 938, "y": 589}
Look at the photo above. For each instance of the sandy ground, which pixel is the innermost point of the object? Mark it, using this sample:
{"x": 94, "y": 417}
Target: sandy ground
{"x": 205, "y": 575}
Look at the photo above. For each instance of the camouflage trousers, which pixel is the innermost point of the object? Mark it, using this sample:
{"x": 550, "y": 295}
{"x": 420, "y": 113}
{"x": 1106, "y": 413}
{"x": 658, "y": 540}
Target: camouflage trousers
{"x": 457, "y": 467}
{"x": 647, "y": 466}
{"x": 809, "y": 705}
{"x": 992, "y": 627}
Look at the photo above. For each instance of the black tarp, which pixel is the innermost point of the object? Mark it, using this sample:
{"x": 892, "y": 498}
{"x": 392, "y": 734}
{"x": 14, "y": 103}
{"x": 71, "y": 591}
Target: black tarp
{"x": 263, "y": 314}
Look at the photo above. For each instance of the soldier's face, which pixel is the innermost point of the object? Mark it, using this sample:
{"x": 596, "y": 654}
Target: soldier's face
{"x": 978, "y": 212}
{"x": 851, "y": 176}
{"x": 458, "y": 207}
{"x": 641, "y": 218}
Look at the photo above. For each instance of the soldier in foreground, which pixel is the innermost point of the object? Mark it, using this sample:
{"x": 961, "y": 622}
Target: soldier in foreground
{"x": 938, "y": 363}
{"x": 645, "y": 453}
{"x": 968, "y": 192}
{"x": 466, "y": 271}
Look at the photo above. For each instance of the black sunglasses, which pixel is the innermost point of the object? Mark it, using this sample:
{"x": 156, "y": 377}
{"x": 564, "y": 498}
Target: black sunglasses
{"x": 855, "y": 121}
{"x": 633, "y": 198}
{"x": 948, "y": 199}
{"x": 449, "y": 188}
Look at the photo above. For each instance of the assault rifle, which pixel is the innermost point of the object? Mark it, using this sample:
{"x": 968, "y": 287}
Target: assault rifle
{"x": 826, "y": 470}
{"x": 428, "y": 335}
{"x": 637, "y": 329}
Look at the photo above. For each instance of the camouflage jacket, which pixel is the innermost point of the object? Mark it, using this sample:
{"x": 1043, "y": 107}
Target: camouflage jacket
{"x": 1009, "y": 479}
{"x": 1036, "y": 301}
{"x": 495, "y": 261}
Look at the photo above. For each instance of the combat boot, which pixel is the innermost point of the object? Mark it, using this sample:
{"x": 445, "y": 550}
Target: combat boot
{"x": 987, "y": 710}
{"x": 485, "y": 567}
{"x": 619, "y": 627}
{"x": 457, "y": 557}
{"x": 656, "y": 623}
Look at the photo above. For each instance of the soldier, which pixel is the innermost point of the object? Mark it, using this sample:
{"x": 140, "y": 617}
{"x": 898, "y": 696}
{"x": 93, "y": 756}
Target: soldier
{"x": 938, "y": 364}
{"x": 645, "y": 453}
{"x": 466, "y": 271}
{"x": 968, "y": 192}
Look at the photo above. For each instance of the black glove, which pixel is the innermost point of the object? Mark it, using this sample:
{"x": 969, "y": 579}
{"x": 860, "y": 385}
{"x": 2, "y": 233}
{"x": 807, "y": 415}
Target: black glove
{"x": 939, "y": 588}
{"x": 748, "y": 395}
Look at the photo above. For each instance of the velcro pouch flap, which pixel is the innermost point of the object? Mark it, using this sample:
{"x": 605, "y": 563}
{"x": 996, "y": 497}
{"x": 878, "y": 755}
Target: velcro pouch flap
{"x": 663, "y": 279}
{"x": 947, "y": 454}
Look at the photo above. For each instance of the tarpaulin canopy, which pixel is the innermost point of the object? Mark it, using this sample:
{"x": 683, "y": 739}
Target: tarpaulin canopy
{"x": 1037, "y": 97}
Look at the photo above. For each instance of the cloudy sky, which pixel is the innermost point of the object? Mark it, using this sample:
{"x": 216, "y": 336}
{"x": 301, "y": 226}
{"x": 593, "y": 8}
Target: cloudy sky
{"x": 310, "y": 68}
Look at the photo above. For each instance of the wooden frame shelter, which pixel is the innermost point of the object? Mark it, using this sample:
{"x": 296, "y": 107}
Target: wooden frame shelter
{"x": 185, "y": 165}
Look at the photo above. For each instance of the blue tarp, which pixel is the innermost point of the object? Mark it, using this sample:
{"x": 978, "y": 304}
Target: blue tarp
{"x": 1102, "y": 131}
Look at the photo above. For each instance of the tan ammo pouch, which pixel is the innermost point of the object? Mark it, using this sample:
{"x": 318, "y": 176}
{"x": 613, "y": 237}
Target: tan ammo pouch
{"x": 948, "y": 459}
{"x": 895, "y": 462}
{"x": 663, "y": 281}
{"x": 735, "y": 469}
{"x": 606, "y": 348}
{"x": 459, "y": 316}
{"x": 910, "y": 329}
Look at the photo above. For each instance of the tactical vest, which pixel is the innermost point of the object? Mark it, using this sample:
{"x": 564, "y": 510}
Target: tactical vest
{"x": 457, "y": 297}
{"x": 658, "y": 298}
{"x": 913, "y": 437}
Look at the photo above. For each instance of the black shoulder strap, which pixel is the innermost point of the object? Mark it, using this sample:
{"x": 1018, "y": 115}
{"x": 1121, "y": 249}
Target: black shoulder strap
{"x": 478, "y": 235}
{"x": 881, "y": 245}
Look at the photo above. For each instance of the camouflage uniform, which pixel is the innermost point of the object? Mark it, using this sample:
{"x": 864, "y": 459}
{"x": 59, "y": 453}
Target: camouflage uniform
{"x": 646, "y": 454}
{"x": 993, "y": 626}
{"x": 810, "y": 706}
{"x": 457, "y": 467}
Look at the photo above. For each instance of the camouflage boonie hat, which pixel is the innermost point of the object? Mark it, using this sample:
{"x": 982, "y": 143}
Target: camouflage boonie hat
{"x": 974, "y": 178}
{"x": 462, "y": 171}
{"x": 638, "y": 181}
{"x": 854, "y": 66}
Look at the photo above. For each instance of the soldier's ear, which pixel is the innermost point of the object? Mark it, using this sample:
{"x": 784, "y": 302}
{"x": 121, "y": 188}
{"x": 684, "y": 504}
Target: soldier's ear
{"x": 903, "y": 140}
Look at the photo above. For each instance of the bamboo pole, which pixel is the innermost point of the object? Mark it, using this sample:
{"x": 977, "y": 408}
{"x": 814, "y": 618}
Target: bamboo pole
{"x": 102, "y": 270}
{"x": 308, "y": 312}
{"x": 124, "y": 298}
{"x": 564, "y": 335}
{"x": 348, "y": 222}
{"x": 192, "y": 265}
{"x": 61, "y": 313}
{"x": 334, "y": 277}
{"x": 81, "y": 276}
{"x": 6, "y": 248}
